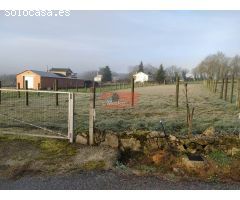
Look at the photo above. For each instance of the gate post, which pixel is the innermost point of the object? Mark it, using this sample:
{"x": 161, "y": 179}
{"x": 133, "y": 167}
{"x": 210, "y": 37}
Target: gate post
{"x": 92, "y": 114}
{"x": 71, "y": 116}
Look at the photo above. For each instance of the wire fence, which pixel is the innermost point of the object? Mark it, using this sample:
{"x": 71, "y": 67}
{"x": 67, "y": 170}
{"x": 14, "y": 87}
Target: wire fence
{"x": 157, "y": 103}
{"x": 34, "y": 113}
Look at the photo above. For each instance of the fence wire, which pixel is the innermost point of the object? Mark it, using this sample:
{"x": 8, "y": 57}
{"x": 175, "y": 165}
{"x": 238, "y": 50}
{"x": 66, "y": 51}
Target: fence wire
{"x": 42, "y": 116}
{"x": 81, "y": 113}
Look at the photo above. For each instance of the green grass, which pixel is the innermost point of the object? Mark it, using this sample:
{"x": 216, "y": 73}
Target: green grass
{"x": 54, "y": 147}
{"x": 220, "y": 158}
{"x": 93, "y": 165}
{"x": 155, "y": 103}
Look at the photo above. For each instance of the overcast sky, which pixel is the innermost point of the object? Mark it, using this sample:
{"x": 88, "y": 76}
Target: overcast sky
{"x": 88, "y": 40}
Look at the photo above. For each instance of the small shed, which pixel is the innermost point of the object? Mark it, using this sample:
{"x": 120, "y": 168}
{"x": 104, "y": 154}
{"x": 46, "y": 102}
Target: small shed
{"x": 40, "y": 80}
{"x": 140, "y": 77}
{"x": 98, "y": 78}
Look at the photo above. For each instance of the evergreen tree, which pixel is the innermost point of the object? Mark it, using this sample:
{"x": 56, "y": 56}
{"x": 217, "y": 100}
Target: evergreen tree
{"x": 140, "y": 67}
{"x": 106, "y": 74}
{"x": 160, "y": 76}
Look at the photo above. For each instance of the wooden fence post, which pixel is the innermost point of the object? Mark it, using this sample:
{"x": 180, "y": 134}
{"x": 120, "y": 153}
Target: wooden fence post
{"x": 55, "y": 87}
{"x": 85, "y": 86}
{"x": 92, "y": 115}
{"x": 38, "y": 89}
{"x": 77, "y": 85}
{"x": 19, "y": 93}
{"x": 177, "y": 90}
{"x": 222, "y": 88}
{"x": 215, "y": 86}
{"x": 226, "y": 89}
{"x": 27, "y": 97}
{"x": 238, "y": 94}
{"x": 132, "y": 92}
{"x": 232, "y": 87}
{"x": 0, "y": 92}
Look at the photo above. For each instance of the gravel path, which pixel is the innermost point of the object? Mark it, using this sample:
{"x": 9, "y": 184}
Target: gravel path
{"x": 107, "y": 180}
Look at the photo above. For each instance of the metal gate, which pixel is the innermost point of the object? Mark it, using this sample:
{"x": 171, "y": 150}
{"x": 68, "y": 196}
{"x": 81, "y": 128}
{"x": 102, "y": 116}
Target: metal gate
{"x": 37, "y": 113}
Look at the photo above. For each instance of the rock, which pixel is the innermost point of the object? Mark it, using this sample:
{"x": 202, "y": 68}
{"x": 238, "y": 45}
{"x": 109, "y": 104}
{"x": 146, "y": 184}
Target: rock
{"x": 84, "y": 135}
{"x": 81, "y": 140}
{"x": 155, "y": 134}
{"x": 111, "y": 140}
{"x": 151, "y": 144}
{"x": 178, "y": 171}
{"x": 181, "y": 148}
{"x": 158, "y": 157}
{"x": 129, "y": 133}
{"x": 172, "y": 138}
{"x": 131, "y": 143}
{"x": 233, "y": 151}
{"x": 209, "y": 132}
{"x": 189, "y": 164}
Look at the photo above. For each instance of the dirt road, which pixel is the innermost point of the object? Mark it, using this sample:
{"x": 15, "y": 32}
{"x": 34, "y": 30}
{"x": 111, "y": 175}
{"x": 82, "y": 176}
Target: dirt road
{"x": 108, "y": 180}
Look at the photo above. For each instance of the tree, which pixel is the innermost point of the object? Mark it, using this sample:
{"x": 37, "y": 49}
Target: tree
{"x": 184, "y": 74}
{"x": 106, "y": 74}
{"x": 140, "y": 67}
{"x": 171, "y": 73}
{"x": 235, "y": 65}
{"x": 160, "y": 76}
{"x": 88, "y": 75}
{"x": 215, "y": 67}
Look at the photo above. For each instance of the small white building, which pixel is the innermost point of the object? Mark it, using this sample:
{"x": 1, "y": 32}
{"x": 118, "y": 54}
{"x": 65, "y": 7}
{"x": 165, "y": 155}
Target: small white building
{"x": 190, "y": 75}
{"x": 98, "y": 78}
{"x": 140, "y": 77}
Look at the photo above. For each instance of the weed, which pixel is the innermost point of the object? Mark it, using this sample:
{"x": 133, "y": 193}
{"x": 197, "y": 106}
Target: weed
{"x": 220, "y": 158}
{"x": 93, "y": 165}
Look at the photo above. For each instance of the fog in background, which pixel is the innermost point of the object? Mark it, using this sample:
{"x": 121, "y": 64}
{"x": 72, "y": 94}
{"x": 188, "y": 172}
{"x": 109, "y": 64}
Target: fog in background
{"x": 88, "y": 40}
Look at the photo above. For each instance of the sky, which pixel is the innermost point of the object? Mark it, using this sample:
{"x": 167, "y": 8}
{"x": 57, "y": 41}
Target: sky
{"x": 87, "y": 40}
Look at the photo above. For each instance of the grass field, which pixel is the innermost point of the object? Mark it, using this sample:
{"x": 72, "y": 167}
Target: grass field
{"x": 155, "y": 103}
{"x": 158, "y": 103}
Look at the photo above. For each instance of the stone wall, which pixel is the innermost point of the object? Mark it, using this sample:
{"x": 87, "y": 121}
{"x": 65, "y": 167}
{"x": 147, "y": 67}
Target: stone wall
{"x": 145, "y": 141}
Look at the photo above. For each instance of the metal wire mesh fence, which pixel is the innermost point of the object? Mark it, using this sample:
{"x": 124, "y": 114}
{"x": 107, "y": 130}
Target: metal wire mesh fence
{"x": 157, "y": 103}
{"x": 34, "y": 113}
{"x": 81, "y": 112}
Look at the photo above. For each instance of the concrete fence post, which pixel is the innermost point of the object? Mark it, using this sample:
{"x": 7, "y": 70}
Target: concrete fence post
{"x": 92, "y": 116}
{"x": 71, "y": 108}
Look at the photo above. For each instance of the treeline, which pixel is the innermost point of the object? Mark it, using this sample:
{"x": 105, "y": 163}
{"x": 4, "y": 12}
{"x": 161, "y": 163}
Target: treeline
{"x": 159, "y": 74}
{"x": 8, "y": 80}
{"x": 217, "y": 67}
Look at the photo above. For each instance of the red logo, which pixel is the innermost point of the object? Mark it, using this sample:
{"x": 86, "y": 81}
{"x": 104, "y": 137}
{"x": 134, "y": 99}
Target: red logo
{"x": 119, "y": 100}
